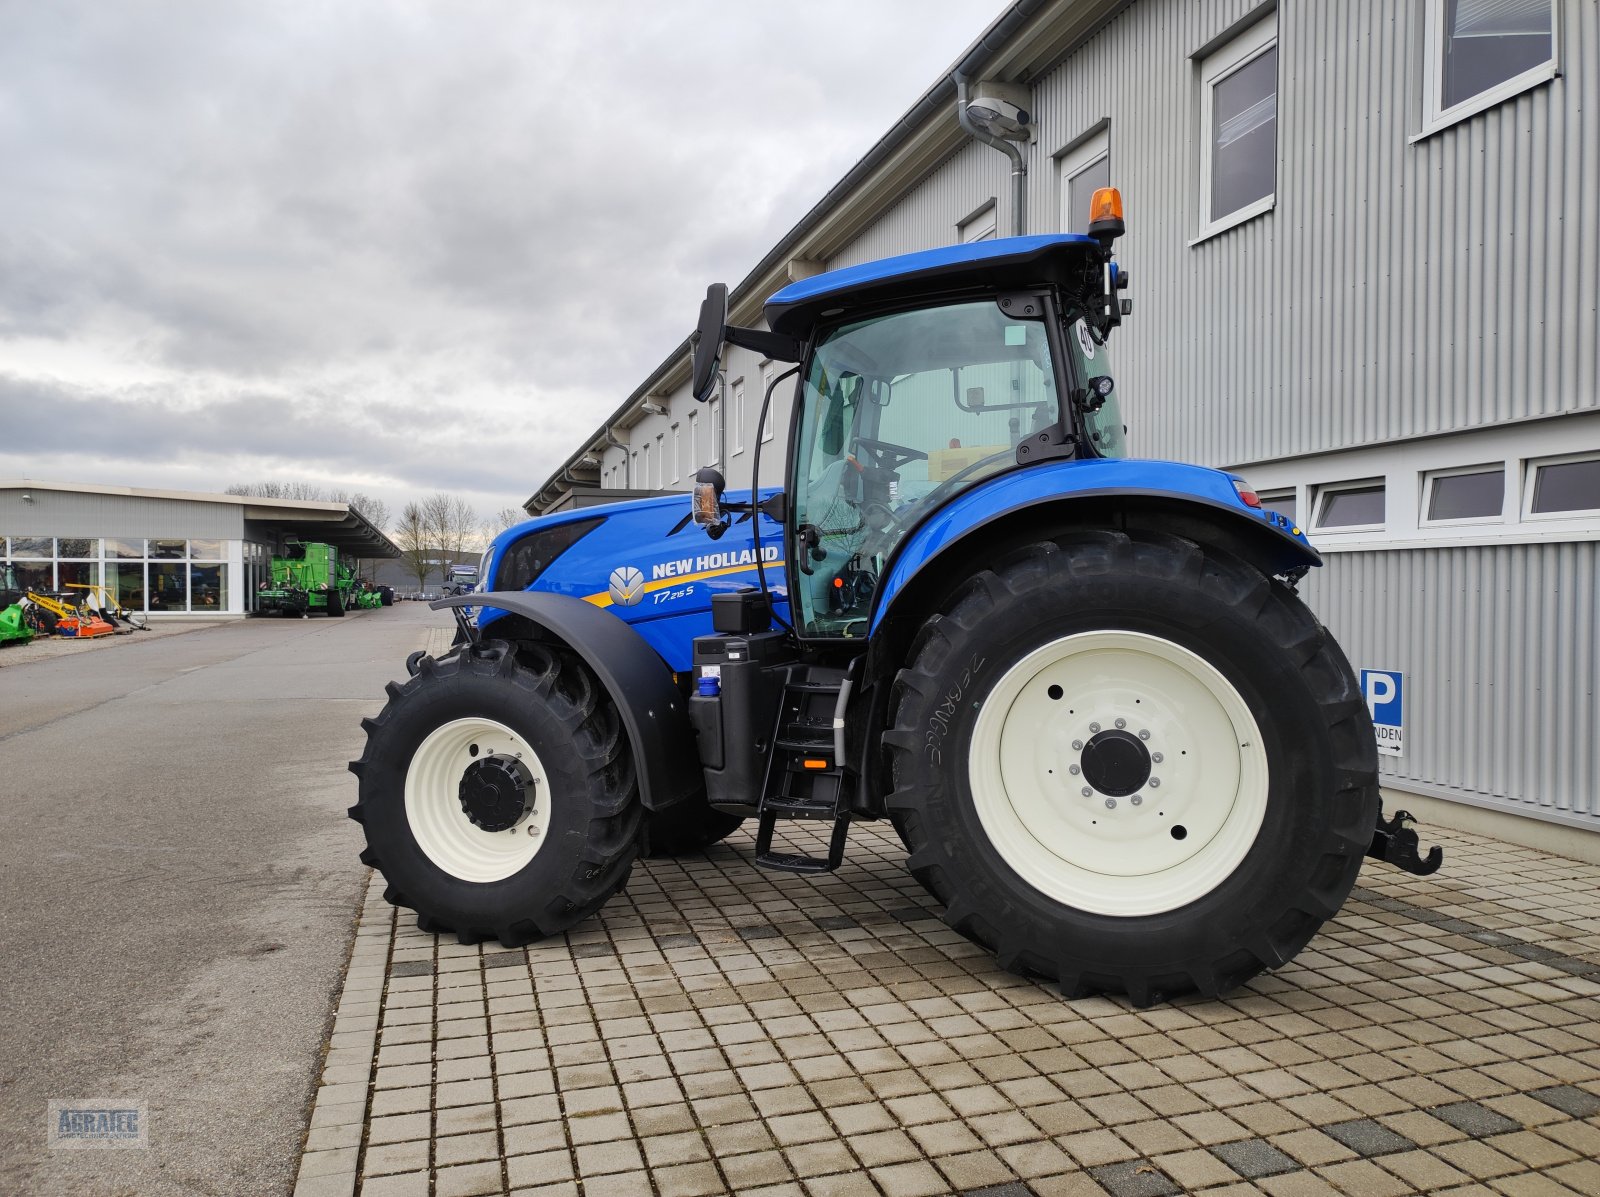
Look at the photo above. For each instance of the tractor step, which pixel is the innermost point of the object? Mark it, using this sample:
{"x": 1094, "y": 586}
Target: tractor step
{"x": 804, "y": 781}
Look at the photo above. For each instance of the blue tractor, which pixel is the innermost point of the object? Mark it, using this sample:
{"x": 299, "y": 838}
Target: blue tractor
{"x": 1121, "y": 753}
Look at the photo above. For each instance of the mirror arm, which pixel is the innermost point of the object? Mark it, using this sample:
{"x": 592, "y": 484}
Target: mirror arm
{"x": 768, "y": 344}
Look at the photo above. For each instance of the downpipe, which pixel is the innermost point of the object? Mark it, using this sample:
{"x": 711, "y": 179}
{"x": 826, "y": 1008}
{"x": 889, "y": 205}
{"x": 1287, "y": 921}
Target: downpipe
{"x": 1019, "y": 164}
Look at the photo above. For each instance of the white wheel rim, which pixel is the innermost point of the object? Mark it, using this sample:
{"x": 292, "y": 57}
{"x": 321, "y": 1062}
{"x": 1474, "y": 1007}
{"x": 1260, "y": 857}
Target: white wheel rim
{"x": 1113, "y": 855}
{"x": 433, "y": 802}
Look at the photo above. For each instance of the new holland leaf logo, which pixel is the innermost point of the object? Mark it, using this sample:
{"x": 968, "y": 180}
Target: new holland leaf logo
{"x": 627, "y": 586}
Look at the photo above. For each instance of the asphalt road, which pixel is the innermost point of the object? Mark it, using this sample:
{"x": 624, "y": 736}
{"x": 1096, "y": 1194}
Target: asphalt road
{"x": 179, "y": 890}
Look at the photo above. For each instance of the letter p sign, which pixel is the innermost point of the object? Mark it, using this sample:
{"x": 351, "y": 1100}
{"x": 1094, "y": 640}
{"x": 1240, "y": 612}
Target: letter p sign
{"x": 1384, "y": 690}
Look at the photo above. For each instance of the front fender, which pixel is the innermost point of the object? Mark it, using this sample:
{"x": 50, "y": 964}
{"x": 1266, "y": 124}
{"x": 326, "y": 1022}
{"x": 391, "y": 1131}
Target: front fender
{"x": 639, "y": 682}
{"x": 1102, "y": 484}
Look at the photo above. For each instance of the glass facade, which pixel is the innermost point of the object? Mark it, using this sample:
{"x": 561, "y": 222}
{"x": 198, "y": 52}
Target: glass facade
{"x": 170, "y": 575}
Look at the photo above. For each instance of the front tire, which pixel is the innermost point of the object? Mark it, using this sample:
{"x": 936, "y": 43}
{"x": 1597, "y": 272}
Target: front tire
{"x": 498, "y": 795}
{"x": 1228, "y": 760}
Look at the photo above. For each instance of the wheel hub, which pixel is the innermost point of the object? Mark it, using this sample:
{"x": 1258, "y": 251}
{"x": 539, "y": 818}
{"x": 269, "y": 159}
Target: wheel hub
{"x": 1116, "y": 763}
{"x": 494, "y": 792}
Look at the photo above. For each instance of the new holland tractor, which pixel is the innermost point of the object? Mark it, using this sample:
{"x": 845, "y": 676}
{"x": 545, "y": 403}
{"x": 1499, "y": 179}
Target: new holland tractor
{"x": 1120, "y": 751}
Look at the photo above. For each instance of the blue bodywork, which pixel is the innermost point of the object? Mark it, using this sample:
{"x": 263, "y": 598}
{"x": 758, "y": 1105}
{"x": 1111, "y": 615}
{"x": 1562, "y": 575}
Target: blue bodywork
{"x": 970, "y": 254}
{"x": 678, "y": 572}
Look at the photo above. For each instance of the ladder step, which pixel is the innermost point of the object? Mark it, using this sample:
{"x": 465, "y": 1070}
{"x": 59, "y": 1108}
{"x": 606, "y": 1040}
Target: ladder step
{"x": 812, "y": 687}
{"x": 790, "y": 806}
{"x": 811, "y": 746}
{"x": 798, "y": 862}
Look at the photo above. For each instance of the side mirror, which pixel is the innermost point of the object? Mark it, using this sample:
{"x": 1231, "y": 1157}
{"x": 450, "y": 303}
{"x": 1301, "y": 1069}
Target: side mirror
{"x": 707, "y": 502}
{"x": 707, "y": 340}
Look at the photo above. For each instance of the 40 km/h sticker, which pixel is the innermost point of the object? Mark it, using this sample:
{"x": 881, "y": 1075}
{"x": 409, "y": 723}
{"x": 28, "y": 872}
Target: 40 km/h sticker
{"x": 1384, "y": 690}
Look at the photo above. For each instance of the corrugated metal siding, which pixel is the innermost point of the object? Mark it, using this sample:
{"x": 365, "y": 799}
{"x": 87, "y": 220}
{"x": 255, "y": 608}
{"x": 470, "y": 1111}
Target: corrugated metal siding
{"x": 969, "y": 179}
{"x": 1396, "y": 290}
{"x": 67, "y": 513}
{"x": 1501, "y": 660}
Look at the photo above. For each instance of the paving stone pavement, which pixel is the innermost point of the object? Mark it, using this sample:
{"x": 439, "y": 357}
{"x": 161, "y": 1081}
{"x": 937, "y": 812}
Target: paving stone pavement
{"x": 719, "y": 1029}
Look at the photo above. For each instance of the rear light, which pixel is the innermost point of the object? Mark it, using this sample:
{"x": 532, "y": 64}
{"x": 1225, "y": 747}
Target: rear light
{"x": 1246, "y": 496}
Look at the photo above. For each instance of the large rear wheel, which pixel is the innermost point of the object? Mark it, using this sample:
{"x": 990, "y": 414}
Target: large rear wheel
{"x": 498, "y": 795}
{"x": 1132, "y": 765}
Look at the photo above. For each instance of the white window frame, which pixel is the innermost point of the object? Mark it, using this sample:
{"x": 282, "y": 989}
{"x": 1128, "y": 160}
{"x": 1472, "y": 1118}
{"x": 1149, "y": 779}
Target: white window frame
{"x": 694, "y": 441}
{"x": 644, "y": 474}
{"x": 1323, "y": 489}
{"x": 982, "y": 225}
{"x": 1530, "y": 478}
{"x": 717, "y": 413}
{"x": 738, "y": 417}
{"x": 1214, "y": 68}
{"x": 661, "y": 459}
{"x": 677, "y": 455}
{"x": 767, "y": 369}
{"x": 1090, "y": 152}
{"x": 1436, "y": 117}
{"x": 1429, "y": 477}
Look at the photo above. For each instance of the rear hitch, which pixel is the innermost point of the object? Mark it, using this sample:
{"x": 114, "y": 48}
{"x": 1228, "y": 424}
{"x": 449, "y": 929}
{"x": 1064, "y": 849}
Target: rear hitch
{"x": 1394, "y": 841}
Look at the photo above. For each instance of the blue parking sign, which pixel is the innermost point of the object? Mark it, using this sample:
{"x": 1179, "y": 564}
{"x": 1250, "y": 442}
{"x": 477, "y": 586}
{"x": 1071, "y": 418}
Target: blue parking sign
{"x": 1384, "y": 690}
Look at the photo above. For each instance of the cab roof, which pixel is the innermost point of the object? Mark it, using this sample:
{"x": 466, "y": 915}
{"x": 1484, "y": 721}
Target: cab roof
{"x": 1002, "y": 264}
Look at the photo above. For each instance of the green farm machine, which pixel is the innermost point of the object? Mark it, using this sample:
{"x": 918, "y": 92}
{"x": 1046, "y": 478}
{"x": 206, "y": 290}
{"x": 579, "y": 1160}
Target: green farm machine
{"x": 311, "y": 577}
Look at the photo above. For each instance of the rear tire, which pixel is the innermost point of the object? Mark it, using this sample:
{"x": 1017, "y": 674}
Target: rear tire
{"x": 560, "y": 862}
{"x": 1102, "y": 663}
{"x": 687, "y": 829}
{"x": 335, "y": 604}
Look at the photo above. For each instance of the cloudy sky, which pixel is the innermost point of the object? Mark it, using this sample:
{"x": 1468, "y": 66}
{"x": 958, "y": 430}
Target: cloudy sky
{"x": 399, "y": 247}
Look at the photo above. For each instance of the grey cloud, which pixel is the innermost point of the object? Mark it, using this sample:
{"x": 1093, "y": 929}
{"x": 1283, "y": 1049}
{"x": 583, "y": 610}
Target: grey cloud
{"x": 502, "y": 210}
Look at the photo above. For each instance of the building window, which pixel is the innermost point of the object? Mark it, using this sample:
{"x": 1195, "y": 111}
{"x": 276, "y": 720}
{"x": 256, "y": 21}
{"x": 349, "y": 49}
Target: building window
{"x": 980, "y": 227}
{"x": 738, "y": 415}
{"x": 677, "y": 454}
{"x": 1084, "y": 170}
{"x": 661, "y": 458}
{"x": 1349, "y": 506}
{"x": 644, "y": 468}
{"x": 714, "y": 449}
{"x": 633, "y": 473}
{"x": 694, "y": 440}
{"x": 767, "y": 369}
{"x": 1565, "y": 486}
{"x": 1281, "y": 501}
{"x": 1481, "y": 52}
{"x": 1239, "y": 124}
{"x": 1475, "y": 493}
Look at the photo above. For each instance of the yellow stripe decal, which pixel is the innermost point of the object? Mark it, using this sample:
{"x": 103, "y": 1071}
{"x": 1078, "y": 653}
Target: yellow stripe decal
{"x": 603, "y": 599}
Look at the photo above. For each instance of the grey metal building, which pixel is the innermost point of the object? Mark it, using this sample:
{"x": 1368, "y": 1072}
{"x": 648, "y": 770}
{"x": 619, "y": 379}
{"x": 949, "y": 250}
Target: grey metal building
{"x": 1364, "y": 240}
{"x": 171, "y": 553}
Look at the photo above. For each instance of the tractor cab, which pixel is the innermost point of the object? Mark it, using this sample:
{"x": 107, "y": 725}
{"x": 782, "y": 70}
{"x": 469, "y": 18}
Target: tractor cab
{"x": 921, "y": 377}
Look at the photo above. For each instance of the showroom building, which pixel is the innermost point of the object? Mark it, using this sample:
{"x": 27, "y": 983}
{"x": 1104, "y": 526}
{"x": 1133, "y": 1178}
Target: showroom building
{"x": 170, "y": 553}
{"x": 1364, "y": 243}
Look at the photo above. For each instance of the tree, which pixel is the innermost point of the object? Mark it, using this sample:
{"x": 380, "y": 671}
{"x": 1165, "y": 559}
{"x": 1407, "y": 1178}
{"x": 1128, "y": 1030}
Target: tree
{"x": 304, "y": 492}
{"x": 450, "y": 522}
{"x": 412, "y": 534}
{"x": 503, "y": 519}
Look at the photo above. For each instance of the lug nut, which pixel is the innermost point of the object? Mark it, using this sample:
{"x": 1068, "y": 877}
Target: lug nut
{"x": 1122, "y": 723}
{"x": 1155, "y": 782}
{"x": 1111, "y": 804}
{"x": 1077, "y": 745}
{"x": 1136, "y": 799}
{"x": 1144, "y": 733}
{"x": 1094, "y": 727}
{"x": 1087, "y": 792}
{"x": 1156, "y": 757}
{"x": 1074, "y": 770}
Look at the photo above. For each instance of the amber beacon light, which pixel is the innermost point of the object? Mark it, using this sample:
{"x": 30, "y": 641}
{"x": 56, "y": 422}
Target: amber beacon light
{"x": 1105, "y": 215}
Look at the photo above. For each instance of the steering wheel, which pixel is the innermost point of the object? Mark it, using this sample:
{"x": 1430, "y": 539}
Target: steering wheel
{"x": 889, "y": 456}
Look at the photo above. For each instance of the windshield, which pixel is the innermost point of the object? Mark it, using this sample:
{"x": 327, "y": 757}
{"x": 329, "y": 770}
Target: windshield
{"x": 898, "y": 414}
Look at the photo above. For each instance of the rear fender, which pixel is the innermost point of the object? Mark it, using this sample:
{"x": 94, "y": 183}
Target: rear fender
{"x": 1034, "y": 503}
{"x": 639, "y": 682}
